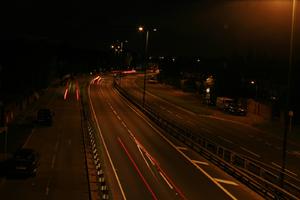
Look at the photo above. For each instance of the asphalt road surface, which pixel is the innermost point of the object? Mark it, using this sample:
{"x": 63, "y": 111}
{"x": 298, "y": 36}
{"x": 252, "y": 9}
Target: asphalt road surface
{"x": 239, "y": 138}
{"x": 142, "y": 162}
{"x": 61, "y": 173}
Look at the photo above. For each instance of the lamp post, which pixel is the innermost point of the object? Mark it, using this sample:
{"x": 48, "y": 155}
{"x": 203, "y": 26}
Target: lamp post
{"x": 141, "y": 29}
{"x": 288, "y": 113}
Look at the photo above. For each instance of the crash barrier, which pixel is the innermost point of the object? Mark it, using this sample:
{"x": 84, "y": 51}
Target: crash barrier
{"x": 99, "y": 190}
{"x": 256, "y": 175}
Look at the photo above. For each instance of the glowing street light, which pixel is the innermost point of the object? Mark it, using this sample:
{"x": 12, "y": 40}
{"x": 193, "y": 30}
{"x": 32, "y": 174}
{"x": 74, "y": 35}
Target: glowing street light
{"x": 141, "y": 29}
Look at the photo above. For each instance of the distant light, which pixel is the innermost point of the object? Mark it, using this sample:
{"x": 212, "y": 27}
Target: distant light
{"x": 173, "y": 59}
{"x": 154, "y": 29}
{"x": 207, "y": 90}
{"x": 150, "y": 57}
{"x": 141, "y": 28}
{"x": 198, "y": 60}
{"x": 112, "y": 46}
{"x": 252, "y": 82}
{"x": 161, "y": 57}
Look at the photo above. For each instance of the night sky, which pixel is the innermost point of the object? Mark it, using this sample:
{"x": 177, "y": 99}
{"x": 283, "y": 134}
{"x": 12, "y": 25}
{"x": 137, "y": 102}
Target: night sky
{"x": 200, "y": 28}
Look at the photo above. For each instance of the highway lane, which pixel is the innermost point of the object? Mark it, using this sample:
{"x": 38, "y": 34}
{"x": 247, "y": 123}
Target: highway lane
{"x": 61, "y": 173}
{"x": 145, "y": 163}
{"x": 239, "y": 138}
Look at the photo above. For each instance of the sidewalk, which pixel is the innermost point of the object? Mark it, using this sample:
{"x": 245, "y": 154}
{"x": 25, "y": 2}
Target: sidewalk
{"x": 192, "y": 102}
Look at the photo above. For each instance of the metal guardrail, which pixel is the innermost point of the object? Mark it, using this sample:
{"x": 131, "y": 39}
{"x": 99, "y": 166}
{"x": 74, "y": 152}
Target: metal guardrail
{"x": 252, "y": 173}
{"x": 91, "y": 138}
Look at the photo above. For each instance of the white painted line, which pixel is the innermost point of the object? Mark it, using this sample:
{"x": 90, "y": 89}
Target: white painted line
{"x": 182, "y": 148}
{"x": 47, "y": 190}
{"x": 226, "y": 181}
{"x": 53, "y": 161}
{"x": 170, "y": 186}
{"x": 278, "y": 148}
{"x": 115, "y": 112}
{"x": 206, "y": 130}
{"x": 289, "y": 171}
{"x": 119, "y": 117}
{"x": 105, "y": 146}
{"x": 267, "y": 143}
{"x": 185, "y": 156}
{"x": 247, "y": 150}
{"x": 56, "y": 146}
{"x": 179, "y": 117}
{"x": 200, "y": 162}
{"x": 29, "y": 137}
{"x": 124, "y": 124}
{"x": 226, "y": 140}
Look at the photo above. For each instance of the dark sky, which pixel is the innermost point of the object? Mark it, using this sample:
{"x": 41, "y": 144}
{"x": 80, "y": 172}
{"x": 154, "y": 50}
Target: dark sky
{"x": 204, "y": 28}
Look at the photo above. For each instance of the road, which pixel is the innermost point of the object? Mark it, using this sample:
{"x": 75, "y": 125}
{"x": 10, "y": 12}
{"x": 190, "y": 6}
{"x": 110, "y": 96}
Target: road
{"x": 61, "y": 173}
{"x": 237, "y": 137}
{"x": 142, "y": 162}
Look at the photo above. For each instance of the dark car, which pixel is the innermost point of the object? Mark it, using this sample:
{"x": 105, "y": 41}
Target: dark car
{"x": 24, "y": 162}
{"x": 44, "y": 117}
{"x": 235, "y": 109}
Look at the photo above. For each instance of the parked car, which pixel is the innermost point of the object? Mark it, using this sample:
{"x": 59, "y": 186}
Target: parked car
{"x": 44, "y": 116}
{"x": 235, "y": 109}
{"x": 24, "y": 162}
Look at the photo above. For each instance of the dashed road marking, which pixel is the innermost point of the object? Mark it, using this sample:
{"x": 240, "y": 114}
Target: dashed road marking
{"x": 166, "y": 180}
{"x": 53, "y": 161}
{"x": 124, "y": 124}
{"x": 252, "y": 153}
{"x": 226, "y": 140}
{"x": 225, "y": 181}
{"x": 200, "y": 162}
{"x": 182, "y": 148}
{"x": 289, "y": 171}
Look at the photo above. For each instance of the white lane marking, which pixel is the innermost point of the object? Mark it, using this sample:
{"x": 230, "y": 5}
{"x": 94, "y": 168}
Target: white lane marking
{"x": 105, "y": 146}
{"x": 47, "y": 190}
{"x": 29, "y": 137}
{"x": 162, "y": 107}
{"x": 206, "y": 130}
{"x": 53, "y": 161}
{"x": 278, "y": 148}
{"x": 289, "y": 171}
{"x": 226, "y": 140}
{"x": 124, "y": 124}
{"x": 185, "y": 156}
{"x": 115, "y": 112}
{"x": 170, "y": 186}
{"x": 267, "y": 143}
{"x": 48, "y": 187}
{"x": 169, "y": 111}
{"x": 179, "y": 116}
{"x": 119, "y": 117}
{"x": 247, "y": 150}
{"x": 182, "y": 148}
{"x": 56, "y": 146}
{"x": 200, "y": 162}
{"x": 226, "y": 181}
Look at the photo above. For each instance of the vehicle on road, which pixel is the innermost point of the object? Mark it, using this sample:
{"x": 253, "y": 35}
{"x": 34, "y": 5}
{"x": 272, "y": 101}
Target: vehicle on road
{"x": 44, "y": 117}
{"x": 235, "y": 109}
{"x": 24, "y": 162}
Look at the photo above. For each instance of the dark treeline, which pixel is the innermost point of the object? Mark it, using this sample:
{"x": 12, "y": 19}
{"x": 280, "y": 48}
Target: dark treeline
{"x": 27, "y": 65}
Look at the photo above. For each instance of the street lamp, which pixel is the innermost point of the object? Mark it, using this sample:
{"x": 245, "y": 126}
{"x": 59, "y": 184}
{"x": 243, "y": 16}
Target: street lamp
{"x": 288, "y": 114}
{"x": 141, "y": 29}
